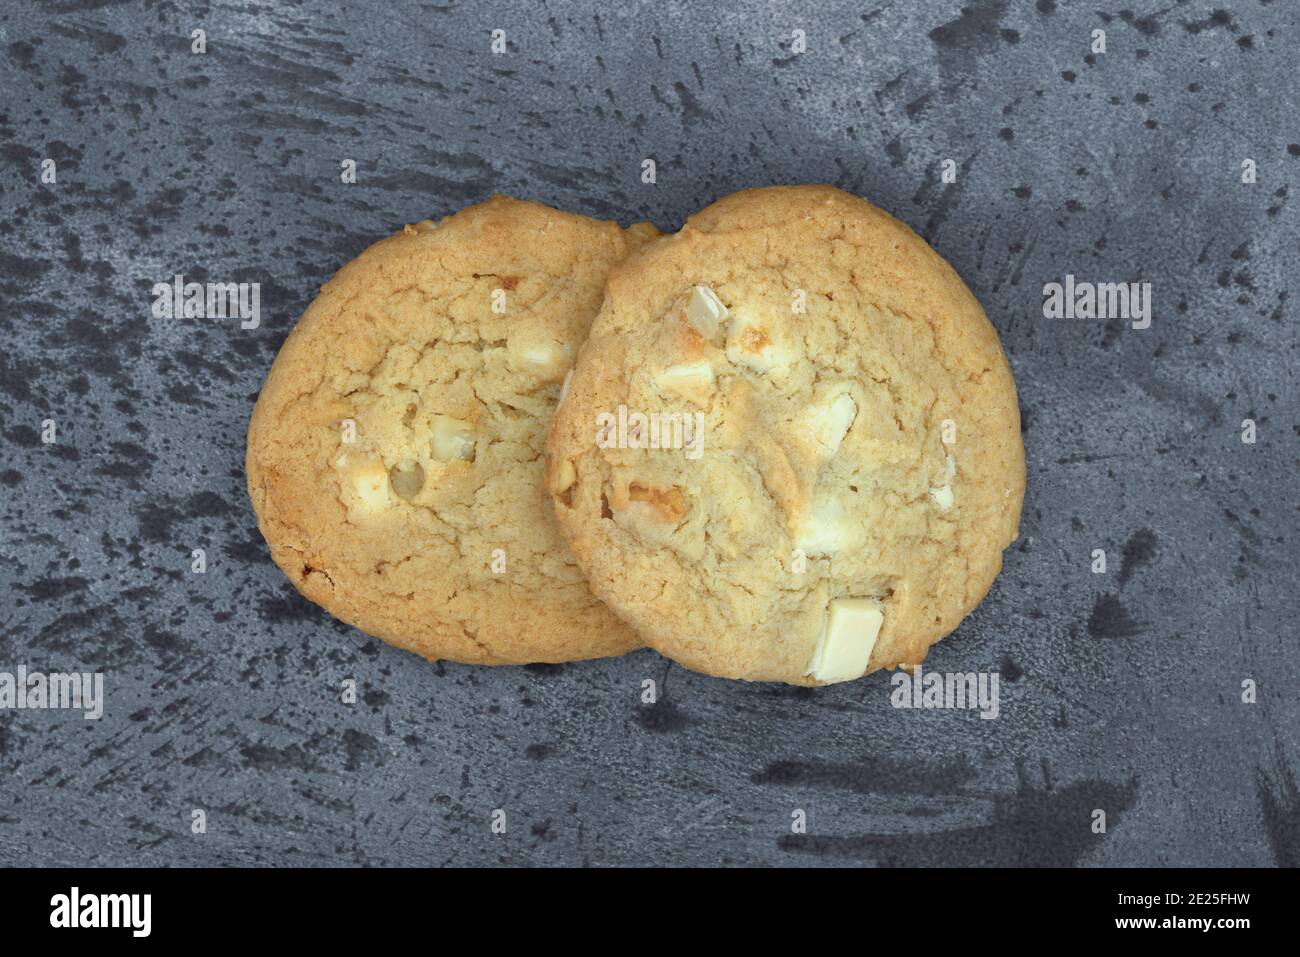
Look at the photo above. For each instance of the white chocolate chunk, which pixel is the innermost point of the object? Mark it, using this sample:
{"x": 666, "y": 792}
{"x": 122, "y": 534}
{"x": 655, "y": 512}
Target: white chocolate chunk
{"x": 831, "y": 422}
{"x": 942, "y": 494}
{"x": 943, "y": 497}
{"x": 564, "y": 477}
{"x": 370, "y": 482}
{"x": 825, "y": 530}
{"x": 848, "y": 635}
{"x": 537, "y": 356}
{"x": 690, "y": 380}
{"x": 540, "y": 355}
{"x": 705, "y": 310}
{"x": 452, "y": 439}
{"x": 749, "y": 344}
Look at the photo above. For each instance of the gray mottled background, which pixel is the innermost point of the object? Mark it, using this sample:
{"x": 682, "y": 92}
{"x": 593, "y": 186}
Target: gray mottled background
{"x": 1120, "y": 691}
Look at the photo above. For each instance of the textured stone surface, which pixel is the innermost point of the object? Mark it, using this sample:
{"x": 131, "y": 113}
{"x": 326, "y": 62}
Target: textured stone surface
{"x": 1119, "y": 691}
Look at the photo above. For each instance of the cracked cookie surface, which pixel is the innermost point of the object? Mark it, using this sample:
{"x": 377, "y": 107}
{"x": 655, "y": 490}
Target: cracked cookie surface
{"x": 395, "y": 452}
{"x": 858, "y": 468}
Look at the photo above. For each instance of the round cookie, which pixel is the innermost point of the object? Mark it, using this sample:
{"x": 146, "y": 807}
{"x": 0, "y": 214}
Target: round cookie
{"x": 790, "y": 449}
{"x": 395, "y": 453}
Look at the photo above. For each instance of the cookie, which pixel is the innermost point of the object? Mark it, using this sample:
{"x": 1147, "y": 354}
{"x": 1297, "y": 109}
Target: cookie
{"x": 790, "y": 449}
{"x": 395, "y": 452}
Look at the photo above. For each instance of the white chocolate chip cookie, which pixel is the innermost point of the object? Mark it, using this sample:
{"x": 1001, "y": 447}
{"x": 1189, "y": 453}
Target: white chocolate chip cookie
{"x": 395, "y": 453}
{"x": 860, "y": 469}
